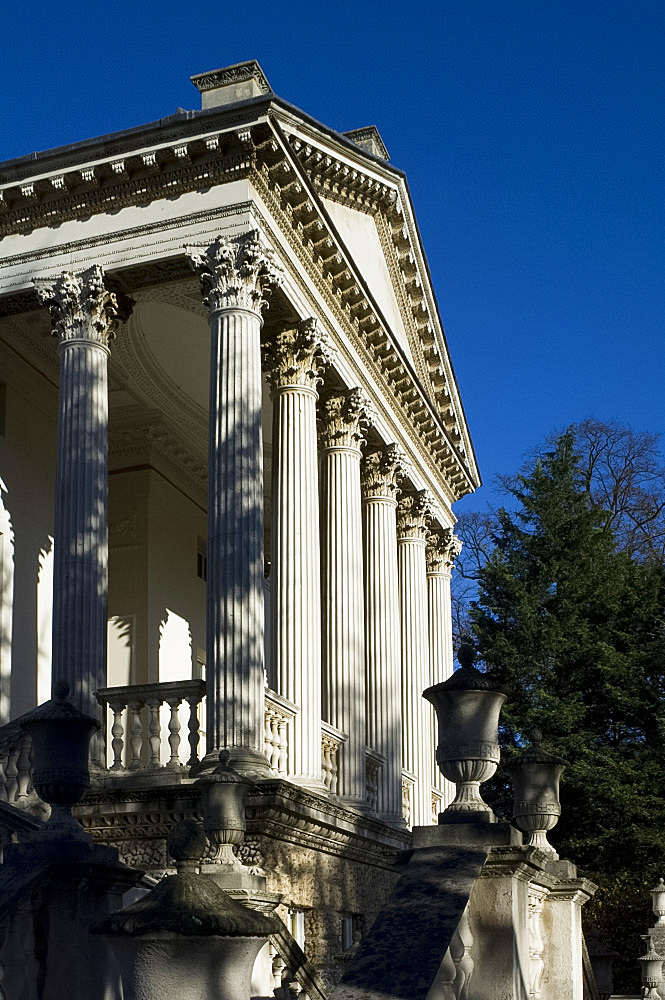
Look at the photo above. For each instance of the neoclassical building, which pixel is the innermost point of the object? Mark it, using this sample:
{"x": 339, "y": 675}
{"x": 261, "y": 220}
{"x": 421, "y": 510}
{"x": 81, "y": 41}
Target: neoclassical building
{"x": 230, "y": 442}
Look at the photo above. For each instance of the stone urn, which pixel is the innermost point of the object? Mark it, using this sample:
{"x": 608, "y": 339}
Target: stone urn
{"x": 467, "y": 706}
{"x": 187, "y": 939}
{"x": 224, "y": 792}
{"x": 658, "y": 897}
{"x": 536, "y": 808}
{"x": 651, "y": 964}
{"x": 60, "y": 735}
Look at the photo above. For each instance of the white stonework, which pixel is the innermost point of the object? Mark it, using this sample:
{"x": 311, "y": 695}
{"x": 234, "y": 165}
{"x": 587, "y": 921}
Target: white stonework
{"x": 413, "y": 520}
{"x": 295, "y": 360}
{"x": 380, "y": 472}
{"x": 344, "y": 420}
{"x": 235, "y": 276}
{"x": 198, "y": 397}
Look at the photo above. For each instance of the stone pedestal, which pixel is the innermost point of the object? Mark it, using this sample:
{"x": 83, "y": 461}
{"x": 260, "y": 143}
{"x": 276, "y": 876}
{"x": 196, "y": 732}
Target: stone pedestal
{"x": 236, "y": 274}
{"x": 294, "y": 359}
{"x": 413, "y": 519}
{"x": 343, "y": 422}
{"x": 380, "y": 471}
{"x": 84, "y": 316}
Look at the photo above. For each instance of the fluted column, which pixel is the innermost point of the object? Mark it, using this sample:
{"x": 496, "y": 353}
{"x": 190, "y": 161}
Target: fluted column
{"x": 413, "y": 518}
{"x": 236, "y": 275}
{"x": 442, "y": 549}
{"x": 294, "y": 359}
{"x": 84, "y": 317}
{"x": 380, "y": 471}
{"x": 343, "y": 421}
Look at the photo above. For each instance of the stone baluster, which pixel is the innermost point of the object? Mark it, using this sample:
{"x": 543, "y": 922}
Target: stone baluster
{"x": 11, "y": 771}
{"x": 461, "y": 945}
{"x": 236, "y": 274}
{"x": 344, "y": 420}
{"x": 154, "y": 731}
{"x": 174, "y": 733}
{"x": 117, "y": 733}
{"x": 3, "y": 777}
{"x": 380, "y": 471}
{"x": 413, "y": 519}
{"x": 443, "y": 547}
{"x": 135, "y": 733}
{"x": 193, "y": 731}
{"x": 23, "y": 770}
{"x": 294, "y": 358}
{"x": 537, "y": 897}
{"x": 84, "y": 317}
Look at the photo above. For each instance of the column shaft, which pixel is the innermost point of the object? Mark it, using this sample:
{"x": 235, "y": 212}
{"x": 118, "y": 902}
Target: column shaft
{"x": 417, "y": 737}
{"x": 293, "y": 359}
{"x": 343, "y": 601}
{"x": 382, "y": 628}
{"x": 234, "y": 276}
{"x": 84, "y": 315}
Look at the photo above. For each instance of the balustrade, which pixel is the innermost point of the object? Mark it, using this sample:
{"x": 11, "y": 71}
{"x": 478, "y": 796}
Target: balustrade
{"x": 16, "y": 767}
{"x": 331, "y": 740}
{"x": 373, "y": 763}
{"x": 279, "y": 716}
{"x": 408, "y": 785}
{"x": 128, "y": 730}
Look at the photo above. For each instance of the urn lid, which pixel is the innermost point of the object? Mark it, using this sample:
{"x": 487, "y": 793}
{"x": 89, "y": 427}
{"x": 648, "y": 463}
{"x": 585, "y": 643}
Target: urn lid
{"x": 536, "y": 754}
{"x": 223, "y": 773}
{"x": 58, "y": 709}
{"x": 467, "y": 678}
{"x": 188, "y": 903}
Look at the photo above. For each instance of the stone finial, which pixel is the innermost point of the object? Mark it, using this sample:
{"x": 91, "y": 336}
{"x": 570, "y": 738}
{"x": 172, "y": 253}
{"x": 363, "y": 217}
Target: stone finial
{"x": 186, "y": 843}
{"x": 443, "y": 547}
{"x": 236, "y": 272}
{"x": 297, "y": 355}
{"x": 345, "y": 418}
{"x": 414, "y": 515}
{"x": 382, "y": 469}
{"x": 658, "y": 901}
{"x": 81, "y": 307}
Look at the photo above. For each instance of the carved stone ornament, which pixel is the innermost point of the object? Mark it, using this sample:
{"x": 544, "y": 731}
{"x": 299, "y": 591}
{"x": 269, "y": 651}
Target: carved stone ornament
{"x": 236, "y": 273}
{"x": 81, "y": 306}
{"x": 414, "y": 515}
{"x": 345, "y": 419}
{"x": 297, "y": 355}
{"x": 381, "y": 471}
{"x": 443, "y": 548}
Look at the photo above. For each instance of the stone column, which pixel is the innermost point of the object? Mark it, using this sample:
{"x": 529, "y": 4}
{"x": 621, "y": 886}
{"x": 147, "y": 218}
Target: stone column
{"x": 380, "y": 471}
{"x": 344, "y": 419}
{"x": 84, "y": 317}
{"x": 443, "y": 547}
{"x": 236, "y": 274}
{"x": 294, "y": 359}
{"x": 413, "y": 518}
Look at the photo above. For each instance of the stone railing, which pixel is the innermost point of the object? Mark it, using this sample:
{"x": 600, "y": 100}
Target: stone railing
{"x": 374, "y": 761}
{"x": 128, "y": 704}
{"x": 331, "y": 741}
{"x": 16, "y": 766}
{"x": 279, "y": 714}
{"x": 408, "y": 785}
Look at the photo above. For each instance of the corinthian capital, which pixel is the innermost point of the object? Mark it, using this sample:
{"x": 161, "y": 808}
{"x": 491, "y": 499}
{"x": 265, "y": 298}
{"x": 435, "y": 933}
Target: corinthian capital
{"x": 297, "y": 355}
{"x": 381, "y": 470}
{"x": 344, "y": 420}
{"x": 81, "y": 306}
{"x": 414, "y": 515}
{"x": 235, "y": 273}
{"x": 443, "y": 548}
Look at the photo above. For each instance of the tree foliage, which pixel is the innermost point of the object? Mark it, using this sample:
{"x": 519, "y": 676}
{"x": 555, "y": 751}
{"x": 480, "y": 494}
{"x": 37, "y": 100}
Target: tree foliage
{"x": 572, "y": 622}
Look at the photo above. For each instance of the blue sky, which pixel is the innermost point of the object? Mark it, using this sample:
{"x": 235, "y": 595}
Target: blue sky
{"x": 532, "y": 135}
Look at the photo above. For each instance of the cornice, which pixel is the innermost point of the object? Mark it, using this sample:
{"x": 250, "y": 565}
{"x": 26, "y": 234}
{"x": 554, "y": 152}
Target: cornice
{"x": 311, "y": 244}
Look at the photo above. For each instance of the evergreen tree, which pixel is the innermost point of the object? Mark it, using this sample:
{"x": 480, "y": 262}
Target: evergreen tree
{"x": 574, "y": 629}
